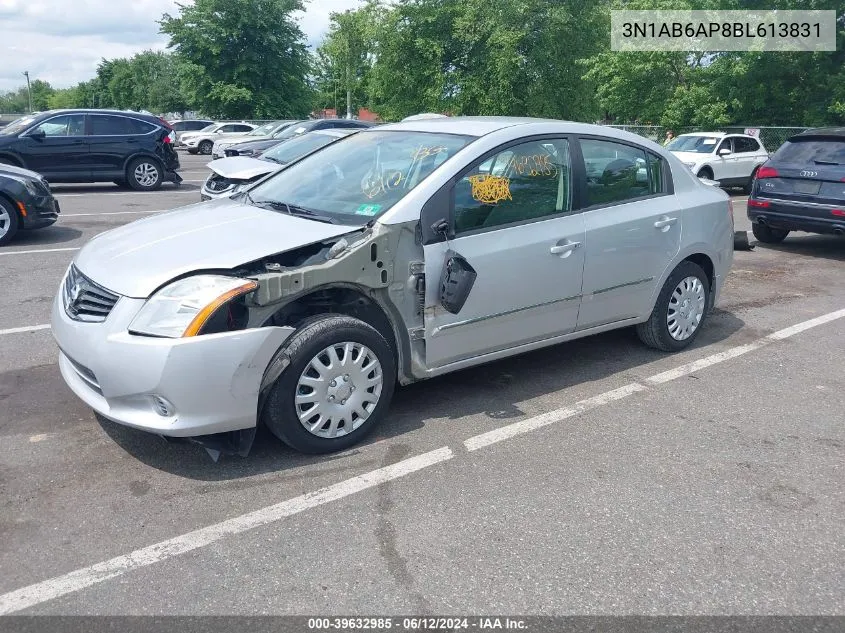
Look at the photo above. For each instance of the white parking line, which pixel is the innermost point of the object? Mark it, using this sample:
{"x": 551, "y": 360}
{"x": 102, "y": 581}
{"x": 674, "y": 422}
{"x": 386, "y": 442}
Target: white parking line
{"x": 39, "y": 250}
{"x": 20, "y": 330}
{"x": 82, "y": 578}
{"x": 79, "y": 215}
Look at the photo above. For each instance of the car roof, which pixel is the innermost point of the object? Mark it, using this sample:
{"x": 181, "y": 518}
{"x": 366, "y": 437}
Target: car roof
{"x": 821, "y": 132}
{"x": 337, "y": 132}
{"x": 716, "y": 134}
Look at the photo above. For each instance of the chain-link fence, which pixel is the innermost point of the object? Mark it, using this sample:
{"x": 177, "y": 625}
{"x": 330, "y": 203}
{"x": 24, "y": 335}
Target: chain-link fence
{"x": 771, "y": 137}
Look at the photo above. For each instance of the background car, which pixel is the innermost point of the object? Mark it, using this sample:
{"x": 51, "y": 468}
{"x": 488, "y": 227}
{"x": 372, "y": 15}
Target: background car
{"x": 254, "y": 148}
{"x": 25, "y": 202}
{"x": 732, "y": 159}
{"x": 189, "y": 125}
{"x": 258, "y": 134}
{"x": 801, "y": 188}
{"x": 203, "y": 141}
{"x": 230, "y": 175}
{"x": 127, "y": 148}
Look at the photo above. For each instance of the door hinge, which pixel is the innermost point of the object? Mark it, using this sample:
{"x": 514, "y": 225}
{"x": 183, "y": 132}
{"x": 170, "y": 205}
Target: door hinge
{"x": 417, "y": 333}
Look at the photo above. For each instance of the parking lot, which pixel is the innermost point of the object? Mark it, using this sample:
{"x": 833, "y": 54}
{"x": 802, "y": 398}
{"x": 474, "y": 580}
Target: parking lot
{"x": 597, "y": 476}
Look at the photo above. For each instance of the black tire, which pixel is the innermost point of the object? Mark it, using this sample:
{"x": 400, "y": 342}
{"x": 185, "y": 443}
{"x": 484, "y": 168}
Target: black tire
{"x": 313, "y": 336}
{"x": 8, "y": 228}
{"x": 144, "y": 174}
{"x": 705, "y": 172}
{"x": 655, "y": 332}
{"x": 767, "y": 234}
{"x": 750, "y": 185}
{"x": 205, "y": 147}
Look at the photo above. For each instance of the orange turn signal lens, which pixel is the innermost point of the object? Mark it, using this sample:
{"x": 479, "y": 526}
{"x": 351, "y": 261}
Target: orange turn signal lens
{"x": 205, "y": 314}
{"x": 22, "y": 208}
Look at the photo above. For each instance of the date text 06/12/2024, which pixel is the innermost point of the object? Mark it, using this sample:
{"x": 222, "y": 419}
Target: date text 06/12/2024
{"x": 416, "y": 623}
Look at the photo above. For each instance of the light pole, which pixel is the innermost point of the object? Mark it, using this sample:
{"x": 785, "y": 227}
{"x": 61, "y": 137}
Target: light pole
{"x": 28, "y": 89}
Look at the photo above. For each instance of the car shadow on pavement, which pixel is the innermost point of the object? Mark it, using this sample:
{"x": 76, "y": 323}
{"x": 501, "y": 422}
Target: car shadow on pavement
{"x": 823, "y": 246}
{"x": 493, "y": 390}
{"x": 48, "y": 236}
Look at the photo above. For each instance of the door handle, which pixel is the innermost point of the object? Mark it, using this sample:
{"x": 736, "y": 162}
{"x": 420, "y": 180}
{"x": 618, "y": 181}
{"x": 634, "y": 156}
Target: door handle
{"x": 564, "y": 250}
{"x": 665, "y": 223}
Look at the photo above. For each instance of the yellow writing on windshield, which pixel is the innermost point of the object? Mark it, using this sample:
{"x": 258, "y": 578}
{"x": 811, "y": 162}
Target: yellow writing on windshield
{"x": 423, "y": 152}
{"x": 535, "y": 165}
{"x": 489, "y": 189}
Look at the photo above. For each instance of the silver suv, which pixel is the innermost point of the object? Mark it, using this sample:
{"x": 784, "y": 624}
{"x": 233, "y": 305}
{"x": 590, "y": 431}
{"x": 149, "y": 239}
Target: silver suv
{"x": 396, "y": 254}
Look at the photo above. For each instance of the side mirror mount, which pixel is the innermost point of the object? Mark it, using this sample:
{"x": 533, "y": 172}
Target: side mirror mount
{"x": 724, "y": 152}
{"x": 37, "y": 134}
{"x": 456, "y": 282}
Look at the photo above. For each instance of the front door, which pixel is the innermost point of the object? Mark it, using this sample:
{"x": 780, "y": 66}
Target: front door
{"x": 61, "y": 152}
{"x": 513, "y": 223}
{"x": 724, "y": 167}
{"x": 633, "y": 230}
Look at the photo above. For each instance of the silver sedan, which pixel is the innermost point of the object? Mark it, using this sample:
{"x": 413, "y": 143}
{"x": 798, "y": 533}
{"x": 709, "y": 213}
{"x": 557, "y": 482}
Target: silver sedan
{"x": 393, "y": 255}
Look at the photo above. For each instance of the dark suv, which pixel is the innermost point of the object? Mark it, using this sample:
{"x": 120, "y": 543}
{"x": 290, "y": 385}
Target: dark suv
{"x": 801, "y": 187}
{"x": 127, "y": 148}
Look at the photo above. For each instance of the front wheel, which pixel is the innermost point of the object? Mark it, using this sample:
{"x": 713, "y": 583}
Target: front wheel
{"x": 705, "y": 172}
{"x": 680, "y": 311}
{"x": 144, "y": 174}
{"x": 9, "y": 222}
{"x": 205, "y": 147}
{"x": 767, "y": 234}
{"x": 336, "y": 388}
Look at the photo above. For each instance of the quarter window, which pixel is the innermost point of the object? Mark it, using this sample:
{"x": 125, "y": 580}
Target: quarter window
{"x": 617, "y": 172}
{"x": 522, "y": 183}
{"x": 65, "y": 125}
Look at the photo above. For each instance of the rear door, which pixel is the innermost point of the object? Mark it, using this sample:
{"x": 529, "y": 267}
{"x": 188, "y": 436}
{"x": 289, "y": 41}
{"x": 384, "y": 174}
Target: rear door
{"x": 633, "y": 228}
{"x": 62, "y": 153}
{"x": 113, "y": 139}
{"x": 513, "y": 222}
{"x": 808, "y": 176}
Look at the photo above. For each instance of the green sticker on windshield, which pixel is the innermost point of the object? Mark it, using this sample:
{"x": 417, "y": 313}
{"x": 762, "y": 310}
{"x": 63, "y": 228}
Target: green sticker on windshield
{"x": 368, "y": 209}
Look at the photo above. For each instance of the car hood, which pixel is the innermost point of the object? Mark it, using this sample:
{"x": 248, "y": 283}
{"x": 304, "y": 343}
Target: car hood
{"x": 137, "y": 258}
{"x": 691, "y": 157}
{"x": 256, "y": 145}
{"x": 17, "y": 172}
{"x": 242, "y": 167}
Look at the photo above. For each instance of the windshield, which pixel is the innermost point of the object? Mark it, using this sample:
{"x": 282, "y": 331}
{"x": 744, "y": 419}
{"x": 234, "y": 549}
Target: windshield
{"x": 815, "y": 151}
{"x": 360, "y": 176}
{"x": 264, "y": 130}
{"x": 18, "y": 125}
{"x": 296, "y": 148}
{"x": 291, "y": 130}
{"x": 697, "y": 144}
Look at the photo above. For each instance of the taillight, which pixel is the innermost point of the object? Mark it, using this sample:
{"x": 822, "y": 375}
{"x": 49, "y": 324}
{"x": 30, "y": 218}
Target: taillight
{"x": 758, "y": 203}
{"x": 840, "y": 212}
{"x": 170, "y": 138}
{"x": 767, "y": 172}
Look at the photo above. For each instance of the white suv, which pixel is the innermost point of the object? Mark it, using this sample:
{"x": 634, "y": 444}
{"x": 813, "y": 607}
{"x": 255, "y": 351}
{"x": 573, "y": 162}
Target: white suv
{"x": 202, "y": 141}
{"x": 731, "y": 159}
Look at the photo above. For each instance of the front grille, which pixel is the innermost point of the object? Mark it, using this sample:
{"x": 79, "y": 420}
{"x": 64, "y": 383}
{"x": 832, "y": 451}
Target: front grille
{"x": 84, "y": 300}
{"x": 218, "y": 183}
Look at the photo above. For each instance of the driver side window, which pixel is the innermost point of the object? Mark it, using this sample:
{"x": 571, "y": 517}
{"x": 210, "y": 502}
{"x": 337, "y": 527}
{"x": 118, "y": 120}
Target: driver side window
{"x": 525, "y": 182}
{"x": 726, "y": 144}
{"x": 65, "y": 125}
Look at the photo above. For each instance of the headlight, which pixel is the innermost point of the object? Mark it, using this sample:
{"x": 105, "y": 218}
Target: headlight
{"x": 183, "y": 307}
{"x": 32, "y": 187}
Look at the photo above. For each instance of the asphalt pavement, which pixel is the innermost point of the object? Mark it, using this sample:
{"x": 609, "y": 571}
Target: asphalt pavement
{"x": 593, "y": 477}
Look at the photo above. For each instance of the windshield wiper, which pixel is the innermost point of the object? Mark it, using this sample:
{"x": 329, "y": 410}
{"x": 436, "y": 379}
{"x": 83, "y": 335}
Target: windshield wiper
{"x": 270, "y": 158}
{"x": 292, "y": 209}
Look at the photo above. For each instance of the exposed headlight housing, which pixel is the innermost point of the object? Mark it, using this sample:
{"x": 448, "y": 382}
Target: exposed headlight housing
{"x": 181, "y": 308}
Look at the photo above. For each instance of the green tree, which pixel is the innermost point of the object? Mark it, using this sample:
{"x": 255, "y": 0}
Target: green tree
{"x": 241, "y": 57}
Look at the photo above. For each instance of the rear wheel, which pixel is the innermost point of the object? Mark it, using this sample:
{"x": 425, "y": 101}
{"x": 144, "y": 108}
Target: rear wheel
{"x": 144, "y": 174}
{"x": 747, "y": 188}
{"x": 205, "y": 147}
{"x": 767, "y": 234}
{"x": 9, "y": 222}
{"x": 336, "y": 388}
{"x": 680, "y": 311}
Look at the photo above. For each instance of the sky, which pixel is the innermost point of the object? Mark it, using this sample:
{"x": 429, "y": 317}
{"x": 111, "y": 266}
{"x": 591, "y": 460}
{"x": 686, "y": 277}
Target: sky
{"x": 62, "y": 41}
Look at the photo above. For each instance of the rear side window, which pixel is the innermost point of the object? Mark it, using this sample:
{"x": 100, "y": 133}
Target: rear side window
{"x": 243, "y": 128}
{"x": 617, "y": 172}
{"x": 103, "y": 125}
{"x": 812, "y": 152}
{"x": 743, "y": 144}
{"x": 525, "y": 182}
